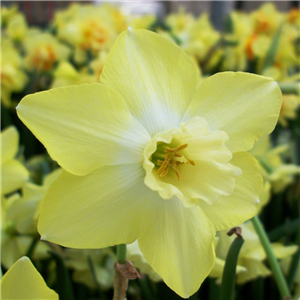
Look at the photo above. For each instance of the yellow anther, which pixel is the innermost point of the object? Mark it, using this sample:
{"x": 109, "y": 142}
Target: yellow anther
{"x": 170, "y": 160}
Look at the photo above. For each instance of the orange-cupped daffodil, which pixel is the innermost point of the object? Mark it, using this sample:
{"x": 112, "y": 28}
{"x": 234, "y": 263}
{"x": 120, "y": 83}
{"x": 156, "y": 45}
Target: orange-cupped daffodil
{"x": 149, "y": 154}
{"x": 23, "y": 281}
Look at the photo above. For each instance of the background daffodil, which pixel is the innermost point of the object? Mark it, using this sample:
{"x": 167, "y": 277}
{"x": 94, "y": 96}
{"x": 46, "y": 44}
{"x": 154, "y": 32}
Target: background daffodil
{"x": 150, "y": 154}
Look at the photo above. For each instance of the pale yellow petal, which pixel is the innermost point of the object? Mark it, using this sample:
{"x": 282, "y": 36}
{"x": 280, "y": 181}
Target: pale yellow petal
{"x": 282, "y": 251}
{"x": 177, "y": 242}
{"x": 9, "y": 143}
{"x": 242, "y": 204}
{"x": 245, "y": 106}
{"x": 254, "y": 269}
{"x": 13, "y": 176}
{"x": 23, "y": 281}
{"x": 84, "y": 127}
{"x": 101, "y": 209}
{"x": 154, "y": 76}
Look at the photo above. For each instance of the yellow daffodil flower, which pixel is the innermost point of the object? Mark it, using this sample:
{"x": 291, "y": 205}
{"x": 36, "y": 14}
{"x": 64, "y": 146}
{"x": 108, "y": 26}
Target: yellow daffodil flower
{"x": 273, "y": 169}
{"x": 88, "y": 28}
{"x": 14, "y": 245}
{"x": 23, "y": 281}
{"x": 65, "y": 74}
{"x": 252, "y": 253}
{"x": 135, "y": 255}
{"x": 102, "y": 261}
{"x": 43, "y": 50}
{"x": 13, "y": 173}
{"x": 266, "y": 19}
{"x": 17, "y": 27}
{"x": 13, "y": 78}
{"x": 202, "y": 37}
{"x": 290, "y": 105}
{"x": 24, "y": 211}
{"x": 150, "y": 155}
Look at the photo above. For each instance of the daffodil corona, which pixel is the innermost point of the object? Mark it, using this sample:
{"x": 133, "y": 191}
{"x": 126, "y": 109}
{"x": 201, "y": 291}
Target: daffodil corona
{"x": 148, "y": 154}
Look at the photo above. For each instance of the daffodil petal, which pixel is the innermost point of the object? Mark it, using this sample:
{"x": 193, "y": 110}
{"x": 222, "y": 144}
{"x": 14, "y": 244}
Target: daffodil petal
{"x": 245, "y": 106}
{"x": 242, "y": 204}
{"x": 9, "y": 143}
{"x": 101, "y": 209}
{"x": 254, "y": 268}
{"x": 178, "y": 244}
{"x": 282, "y": 251}
{"x": 154, "y": 76}
{"x": 14, "y": 176}
{"x": 84, "y": 127}
{"x": 23, "y": 281}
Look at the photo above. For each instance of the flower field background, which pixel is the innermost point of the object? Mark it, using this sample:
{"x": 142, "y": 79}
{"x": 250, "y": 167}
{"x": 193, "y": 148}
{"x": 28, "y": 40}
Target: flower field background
{"x": 72, "y": 50}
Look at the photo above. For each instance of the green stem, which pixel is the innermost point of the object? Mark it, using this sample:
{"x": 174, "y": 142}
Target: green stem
{"x": 277, "y": 273}
{"x": 121, "y": 253}
{"x": 228, "y": 278}
{"x": 294, "y": 263}
{"x": 32, "y": 247}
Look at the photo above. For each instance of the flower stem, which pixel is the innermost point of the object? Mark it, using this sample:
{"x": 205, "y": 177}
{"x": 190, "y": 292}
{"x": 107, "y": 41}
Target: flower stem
{"x": 228, "y": 278}
{"x": 277, "y": 273}
{"x": 121, "y": 253}
{"x": 120, "y": 281}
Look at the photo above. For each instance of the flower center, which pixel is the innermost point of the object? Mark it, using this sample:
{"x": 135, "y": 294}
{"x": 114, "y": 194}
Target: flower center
{"x": 190, "y": 162}
{"x": 172, "y": 157}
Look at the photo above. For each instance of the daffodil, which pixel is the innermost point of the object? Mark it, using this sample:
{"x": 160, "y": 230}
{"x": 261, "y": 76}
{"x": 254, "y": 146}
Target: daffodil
{"x": 13, "y": 173}
{"x": 85, "y": 262}
{"x": 273, "y": 168}
{"x": 14, "y": 245}
{"x": 23, "y": 281}
{"x": 135, "y": 255}
{"x": 25, "y": 210}
{"x": 290, "y": 105}
{"x": 43, "y": 50}
{"x": 148, "y": 154}
{"x": 13, "y": 77}
{"x": 65, "y": 74}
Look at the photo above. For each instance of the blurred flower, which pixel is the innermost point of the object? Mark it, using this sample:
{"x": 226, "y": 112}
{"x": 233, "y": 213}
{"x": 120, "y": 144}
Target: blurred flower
{"x": 273, "y": 169}
{"x": 7, "y": 13}
{"x": 290, "y": 105}
{"x": 43, "y": 50}
{"x": 65, "y": 74}
{"x": 92, "y": 267}
{"x": 180, "y": 22}
{"x": 14, "y": 174}
{"x": 14, "y": 245}
{"x": 13, "y": 78}
{"x": 88, "y": 28}
{"x": 17, "y": 27}
{"x": 24, "y": 211}
{"x": 266, "y": 19}
{"x": 252, "y": 253}
{"x": 23, "y": 281}
{"x": 134, "y": 148}
{"x": 201, "y": 39}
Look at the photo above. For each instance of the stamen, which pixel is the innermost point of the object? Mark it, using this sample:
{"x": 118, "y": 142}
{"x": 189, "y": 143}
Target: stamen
{"x": 170, "y": 155}
{"x": 174, "y": 166}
